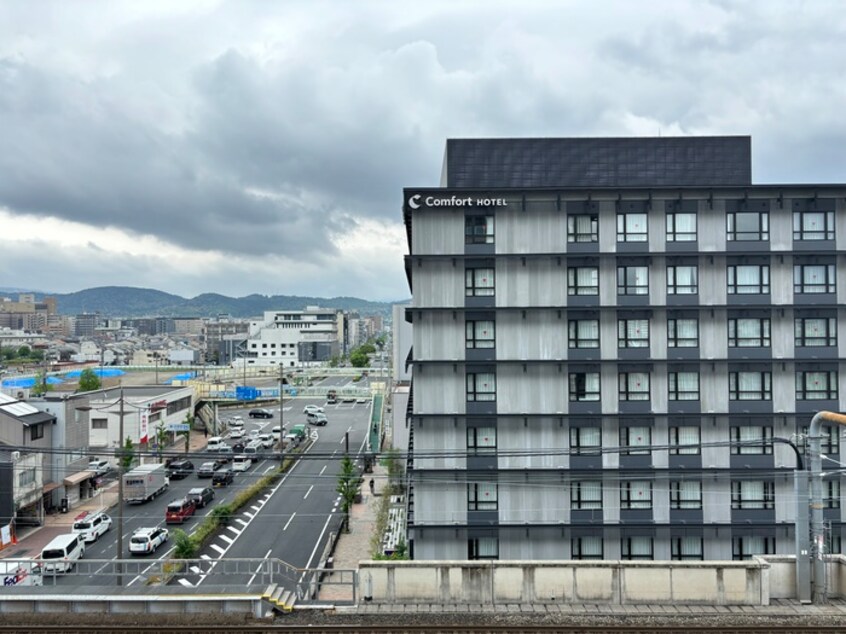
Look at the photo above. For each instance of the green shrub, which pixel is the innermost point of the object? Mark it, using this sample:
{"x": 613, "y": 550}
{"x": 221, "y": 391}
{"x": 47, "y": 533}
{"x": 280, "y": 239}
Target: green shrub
{"x": 184, "y": 545}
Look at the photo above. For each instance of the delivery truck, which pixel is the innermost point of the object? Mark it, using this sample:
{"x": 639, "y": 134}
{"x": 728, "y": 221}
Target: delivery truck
{"x": 144, "y": 483}
{"x": 20, "y": 572}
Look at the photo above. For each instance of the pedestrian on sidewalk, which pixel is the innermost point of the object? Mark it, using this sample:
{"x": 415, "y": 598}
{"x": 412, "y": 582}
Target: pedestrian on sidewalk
{"x": 205, "y": 432}
{"x": 372, "y": 487}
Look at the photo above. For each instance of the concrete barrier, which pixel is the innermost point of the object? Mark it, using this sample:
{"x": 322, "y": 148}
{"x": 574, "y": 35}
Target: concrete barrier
{"x": 609, "y": 582}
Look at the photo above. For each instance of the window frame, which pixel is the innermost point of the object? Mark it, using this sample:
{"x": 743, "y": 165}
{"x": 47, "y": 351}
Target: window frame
{"x": 577, "y": 290}
{"x": 762, "y": 340}
{"x": 801, "y": 338}
{"x": 673, "y": 288}
{"x": 830, "y": 393}
{"x": 632, "y": 289}
{"x": 574, "y": 327}
{"x": 625, "y": 390}
{"x": 801, "y": 233}
{"x": 628, "y": 432}
{"x": 580, "y": 447}
{"x": 475, "y": 447}
{"x": 740, "y": 502}
{"x": 673, "y": 337}
{"x": 761, "y": 287}
{"x": 472, "y": 283}
{"x": 36, "y": 432}
{"x": 628, "y": 490}
{"x": 672, "y": 232}
{"x": 765, "y": 393}
{"x": 575, "y": 236}
{"x": 474, "y": 549}
{"x": 627, "y": 234}
{"x": 471, "y": 226}
{"x": 587, "y": 397}
{"x": 739, "y": 553}
{"x": 676, "y": 549}
{"x": 472, "y": 387}
{"x": 477, "y": 489}
{"x": 472, "y": 338}
{"x": 761, "y": 234}
{"x": 676, "y": 393}
{"x": 680, "y": 501}
{"x": 577, "y": 550}
{"x": 678, "y": 449}
{"x": 578, "y": 502}
{"x": 737, "y": 433}
{"x": 626, "y": 549}
{"x": 802, "y": 287}
{"x": 624, "y": 332}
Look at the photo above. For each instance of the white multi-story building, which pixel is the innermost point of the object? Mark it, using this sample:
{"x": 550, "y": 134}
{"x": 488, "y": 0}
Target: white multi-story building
{"x": 293, "y": 338}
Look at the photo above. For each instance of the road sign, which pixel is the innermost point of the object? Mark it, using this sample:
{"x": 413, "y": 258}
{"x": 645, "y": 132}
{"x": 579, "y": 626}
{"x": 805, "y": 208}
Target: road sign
{"x": 178, "y": 427}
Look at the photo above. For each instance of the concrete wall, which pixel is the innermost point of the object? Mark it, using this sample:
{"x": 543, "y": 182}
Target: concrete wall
{"x": 611, "y": 582}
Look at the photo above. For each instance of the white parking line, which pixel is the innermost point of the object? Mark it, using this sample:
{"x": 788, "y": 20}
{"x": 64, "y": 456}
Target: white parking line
{"x": 249, "y": 515}
{"x": 307, "y": 492}
{"x": 237, "y": 531}
{"x": 240, "y": 521}
{"x": 185, "y": 582}
{"x": 218, "y": 548}
{"x": 226, "y": 538}
{"x": 290, "y": 519}
{"x": 323, "y": 469}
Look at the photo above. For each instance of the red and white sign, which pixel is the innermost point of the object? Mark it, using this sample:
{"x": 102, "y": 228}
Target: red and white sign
{"x": 145, "y": 424}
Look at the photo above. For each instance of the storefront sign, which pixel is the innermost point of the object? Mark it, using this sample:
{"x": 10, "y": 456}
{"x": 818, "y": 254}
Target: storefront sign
{"x": 417, "y": 201}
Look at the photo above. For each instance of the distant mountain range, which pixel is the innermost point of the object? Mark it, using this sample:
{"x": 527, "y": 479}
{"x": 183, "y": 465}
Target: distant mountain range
{"x": 126, "y": 301}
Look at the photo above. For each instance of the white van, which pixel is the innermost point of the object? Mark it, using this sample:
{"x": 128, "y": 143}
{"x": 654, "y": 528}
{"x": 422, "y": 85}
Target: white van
{"x": 241, "y": 462}
{"x": 214, "y": 443}
{"x": 61, "y": 554}
{"x": 253, "y": 448}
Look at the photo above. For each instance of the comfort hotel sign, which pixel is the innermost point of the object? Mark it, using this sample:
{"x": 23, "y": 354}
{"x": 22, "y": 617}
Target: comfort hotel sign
{"x": 418, "y": 200}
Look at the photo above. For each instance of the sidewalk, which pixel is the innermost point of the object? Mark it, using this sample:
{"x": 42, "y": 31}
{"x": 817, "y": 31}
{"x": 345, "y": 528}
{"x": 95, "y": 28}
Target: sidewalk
{"x": 32, "y": 540}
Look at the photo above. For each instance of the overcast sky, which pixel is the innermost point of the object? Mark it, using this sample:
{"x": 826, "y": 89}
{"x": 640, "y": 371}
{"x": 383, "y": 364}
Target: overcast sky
{"x": 262, "y": 147}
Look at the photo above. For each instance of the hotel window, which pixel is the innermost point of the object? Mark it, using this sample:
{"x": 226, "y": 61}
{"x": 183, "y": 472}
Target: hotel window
{"x": 586, "y": 495}
{"x": 682, "y": 280}
{"x": 635, "y": 441}
{"x": 815, "y": 331}
{"x": 583, "y": 280}
{"x": 481, "y": 440}
{"x": 684, "y": 441}
{"x": 583, "y": 228}
{"x": 479, "y": 230}
{"x": 483, "y": 548}
{"x": 752, "y": 440}
{"x": 636, "y": 494}
{"x": 632, "y": 280}
{"x": 584, "y": 386}
{"x": 816, "y": 386}
{"x": 481, "y": 386}
{"x": 634, "y": 386}
{"x": 813, "y": 225}
{"x": 585, "y": 441}
{"x": 750, "y": 386}
{"x": 829, "y": 442}
{"x": 479, "y": 283}
{"x": 748, "y": 279}
{"x": 749, "y": 333}
{"x": 681, "y": 227}
{"x": 584, "y": 333}
{"x": 586, "y": 548}
{"x": 683, "y": 386}
{"x": 814, "y": 278}
{"x": 633, "y": 333}
{"x": 752, "y": 495}
{"x": 631, "y": 227}
{"x": 482, "y": 496}
{"x": 685, "y": 495}
{"x": 636, "y": 548}
{"x": 479, "y": 334}
{"x": 682, "y": 333}
{"x": 686, "y": 549}
{"x": 746, "y": 547}
{"x": 831, "y": 494}
{"x": 752, "y": 225}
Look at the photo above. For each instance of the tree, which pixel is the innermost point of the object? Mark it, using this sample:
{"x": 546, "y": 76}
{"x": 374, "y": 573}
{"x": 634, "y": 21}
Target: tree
{"x": 161, "y": 439}
{"x": 36, "y": 354}
{"x": 358, "y": 359}
{"x": 367, "y": 348}
{"x": 348, "y": 489}
{"x": 184, "y": 546}
{"x": 127, "y": 454}
{"x": 40, "y": 387}
{"x": 23, "y": 352}
{"x": 88, "y": 381}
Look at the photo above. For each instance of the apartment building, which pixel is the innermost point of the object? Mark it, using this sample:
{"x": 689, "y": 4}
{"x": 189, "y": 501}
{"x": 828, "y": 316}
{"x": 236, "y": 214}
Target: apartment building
{"x": 293, "y": 337}
{"x": 608, "y": 335}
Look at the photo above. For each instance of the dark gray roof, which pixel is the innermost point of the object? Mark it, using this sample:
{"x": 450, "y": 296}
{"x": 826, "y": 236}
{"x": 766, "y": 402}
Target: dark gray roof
{"x": 599, "y": 162}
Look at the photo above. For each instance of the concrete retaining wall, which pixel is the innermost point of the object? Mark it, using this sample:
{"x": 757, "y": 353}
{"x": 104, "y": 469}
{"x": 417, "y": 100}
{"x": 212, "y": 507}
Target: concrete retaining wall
{"x": 611, "y": 582}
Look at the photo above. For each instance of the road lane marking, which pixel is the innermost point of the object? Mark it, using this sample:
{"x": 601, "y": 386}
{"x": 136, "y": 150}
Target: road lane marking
{"x": 266, "y": 555}
{"x": 185, "y": 582}
{"x": 218, "y": 548}
{"x": 256, "y": 507}
{"x": 290, "y": 519}
{"x": 307, "y": 492}
{"x": 240, "y": 521}
{"x": 237, "y": 531}
{"x": 205, "y": 557}
{"x": 226, "y": 538}
{"x": 323, "y": 469}
{"x": 249, "y": 515}
{"x": 270, "y": 468}
{"x": 317, "y": 545}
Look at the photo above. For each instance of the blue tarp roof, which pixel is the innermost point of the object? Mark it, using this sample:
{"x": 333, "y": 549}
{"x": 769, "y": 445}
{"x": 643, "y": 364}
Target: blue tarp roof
{"x": 182, "y": 377}
{"x": 29, "y": 382}
{"x": 101, "y": 372}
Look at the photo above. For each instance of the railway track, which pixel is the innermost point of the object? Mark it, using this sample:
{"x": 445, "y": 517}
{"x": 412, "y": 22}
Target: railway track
{"x": 410, "y": 629}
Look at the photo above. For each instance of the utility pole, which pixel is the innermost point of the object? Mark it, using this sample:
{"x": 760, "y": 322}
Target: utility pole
{"x": 281, "y": 416}
{"x": 118, "y": 562}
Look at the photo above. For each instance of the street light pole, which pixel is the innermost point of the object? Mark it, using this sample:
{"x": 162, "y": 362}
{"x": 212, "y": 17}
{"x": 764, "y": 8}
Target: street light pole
{"x": 118, "y": 562}
{"x": 281, "y": 419}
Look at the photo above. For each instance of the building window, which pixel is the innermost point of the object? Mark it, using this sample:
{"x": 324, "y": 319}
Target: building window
{"x": 99, "y": 423}
{"x": 479, "y": 230}
{"x": 481, "y": 440}
{"x": 815, "y": 331}
{"x": 750, "y": 386}
{"x": 36, "y": 432}
{"x": 752, "y": 440}
{"x": 584, "y": 386}
{"x": 586, "y": 548}
{"x": 686, "y": 548}
{"x": 178, "y": 405}
{"x": 748, "y": 279}
{"x": 681, "y": 227}
{"x": 481, "y": 386}
{"x": 26, "y": 477}
{"x": 583, "y": 228}
{"x": 683, "y": 386}
{"x": 636, "y": 494}
{"x": 583, "y": 280}
{"x": 632, "y": 280}
{"x": 829, "y": 442}
{"x": 483, "y": 548}
{"x": 685, "y": 495}
{"x": 813, "y": 225}
{"x": 482, "y": 496}
{"x": 586, "y": 495}
{"x": 635, "y": 441}
{"x": 479, "y": 283}
{"x": 749, "y": 333}
{"x": 831, "y": 494}
{"x": 746, "y": 547}
{"x": 751, "y": 225}
{"x": 636, "y": 548}
{"x": 584, "y": 333}
{"x": 633, "y": 333}
{"x": 684, "y": 441}
{"x": 634, "y": 386}
{"x": 480, "y": 334}
{"x": 816, "y": 386}
{"x": 682, "y": 280}
{"x": 631, "y": 227}
{"x": 752, "y": 494}
{"x": 813, "y": 278}
{"x": 585, "y": 441}
{"x": 682, "y": 333}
